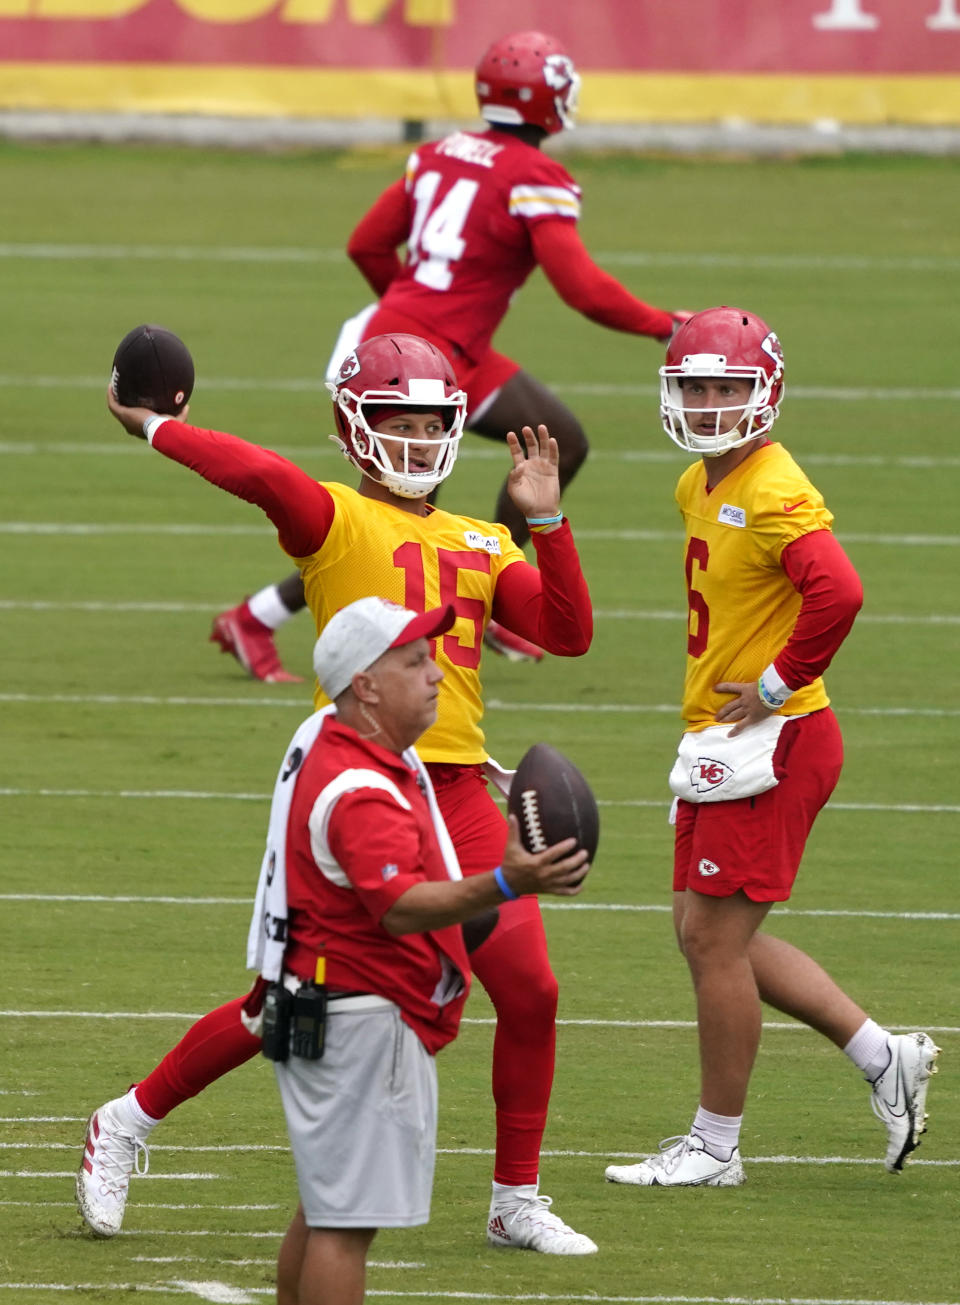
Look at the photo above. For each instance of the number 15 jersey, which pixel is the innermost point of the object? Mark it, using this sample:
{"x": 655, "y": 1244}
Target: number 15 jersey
{"x": 419, "y": 562}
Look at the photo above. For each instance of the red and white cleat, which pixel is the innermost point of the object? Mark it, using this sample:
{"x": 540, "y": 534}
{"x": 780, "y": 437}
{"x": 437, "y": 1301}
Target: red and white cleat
{"x": 240, "y": 633}
{"x": 110, "y": 1156}
{"x": 528, "y": 1224}
{"x": 510, "y": 645}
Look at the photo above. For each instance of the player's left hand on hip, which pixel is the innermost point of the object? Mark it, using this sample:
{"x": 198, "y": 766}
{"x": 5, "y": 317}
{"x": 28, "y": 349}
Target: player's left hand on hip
{"x": 743, "y": 709}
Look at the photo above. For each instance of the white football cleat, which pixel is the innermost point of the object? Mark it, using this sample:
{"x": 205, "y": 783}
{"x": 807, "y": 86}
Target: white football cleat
{"x": 900, "y": 1094}
{"x": 530, "y": 1226}
{"x": 110, "y": 1156}
{"x": 682, "y": 1162}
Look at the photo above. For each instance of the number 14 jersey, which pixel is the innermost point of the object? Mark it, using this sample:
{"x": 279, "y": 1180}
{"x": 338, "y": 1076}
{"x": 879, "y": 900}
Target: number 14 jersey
{"x": 471, "y": 200}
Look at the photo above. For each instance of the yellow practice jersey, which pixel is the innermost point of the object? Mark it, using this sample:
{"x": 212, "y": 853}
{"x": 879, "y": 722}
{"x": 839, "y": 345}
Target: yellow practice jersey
{"x": 742, "y": 606}
{"x": 419, "y": 562}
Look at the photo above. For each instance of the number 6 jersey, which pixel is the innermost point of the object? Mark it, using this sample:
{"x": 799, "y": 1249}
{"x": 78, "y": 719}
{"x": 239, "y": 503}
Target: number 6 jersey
{"x": 765, "y": 581}
{"x": 419, "y": 562}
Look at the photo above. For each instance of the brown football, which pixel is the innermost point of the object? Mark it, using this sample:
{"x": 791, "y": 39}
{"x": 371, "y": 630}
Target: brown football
{"x": 152, "y": 368}
{"x": 552, "y": 801}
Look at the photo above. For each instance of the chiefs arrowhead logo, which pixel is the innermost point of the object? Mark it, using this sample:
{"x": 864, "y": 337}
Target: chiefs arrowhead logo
{"x": 349, "y": 367}
{"x": 558, "y": 71}
{"x": 708, "y": 774}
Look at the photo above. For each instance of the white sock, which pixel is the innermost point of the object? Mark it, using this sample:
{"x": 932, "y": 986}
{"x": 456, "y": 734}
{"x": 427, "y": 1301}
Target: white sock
{"x": 133, "y": 1117}
{"x": 269, "y": 608}
{"x": 720, "y": 1133}
{"x": 869, "y": 1049}
{"x": 505, "y": 1196}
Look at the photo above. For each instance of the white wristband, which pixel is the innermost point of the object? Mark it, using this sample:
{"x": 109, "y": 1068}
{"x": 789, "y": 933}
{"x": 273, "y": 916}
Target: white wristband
{"x": 151, "y": 426}
{"x": 773, "y": 691}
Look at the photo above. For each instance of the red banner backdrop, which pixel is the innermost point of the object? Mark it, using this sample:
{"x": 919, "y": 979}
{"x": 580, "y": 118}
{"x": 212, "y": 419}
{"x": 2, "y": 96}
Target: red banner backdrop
{"x": 642, "y": 59}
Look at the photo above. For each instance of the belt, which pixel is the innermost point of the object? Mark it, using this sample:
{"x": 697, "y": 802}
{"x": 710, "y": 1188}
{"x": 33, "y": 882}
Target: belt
{"x": 343, "y": 1003}
{"x": 340, "y": 1002}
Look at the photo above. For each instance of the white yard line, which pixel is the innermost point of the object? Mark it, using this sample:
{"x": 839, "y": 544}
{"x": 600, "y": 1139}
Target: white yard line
{"x": 175, "y": 607}
{"x": 585, "y": 389}
{"x": 48, "y": 251}
{"x": 192, "y": 795}
{"x": 772, "y": 1026}
{"x": 509, "y": 1298}
{"x": 559, "y": 1154}
{"x": 302, "y": 704}
{"x": 477, "y": 451}
{"x": 187, "y": 530}
{"x": 652, "y": 908}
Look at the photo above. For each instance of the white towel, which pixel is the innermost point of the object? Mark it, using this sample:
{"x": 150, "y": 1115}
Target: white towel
{"x": 713, "y": 767}
{"x": 267, "y": 938}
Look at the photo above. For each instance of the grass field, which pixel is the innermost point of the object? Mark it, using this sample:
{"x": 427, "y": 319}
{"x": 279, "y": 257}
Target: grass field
{"x": 136, "y": 761}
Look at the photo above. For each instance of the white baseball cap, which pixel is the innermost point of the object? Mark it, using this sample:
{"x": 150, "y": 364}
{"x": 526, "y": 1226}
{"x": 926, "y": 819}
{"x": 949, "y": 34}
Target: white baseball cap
{"x": 356, "y": 636}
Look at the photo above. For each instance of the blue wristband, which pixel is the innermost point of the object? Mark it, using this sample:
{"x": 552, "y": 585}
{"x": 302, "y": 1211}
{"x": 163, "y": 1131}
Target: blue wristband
{"x": 502, "y": 884}
{"x": 769, "y": 700}
{"x": 771, "y": 689}
{"x": 544, "y": 521}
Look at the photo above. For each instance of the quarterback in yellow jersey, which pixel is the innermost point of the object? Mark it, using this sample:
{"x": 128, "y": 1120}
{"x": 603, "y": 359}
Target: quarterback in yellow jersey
{"x": 743, "y": 607}
{"x": 423, "y": 561}
{"x": 771, "y": 597}
{"x": 399, "y": 413}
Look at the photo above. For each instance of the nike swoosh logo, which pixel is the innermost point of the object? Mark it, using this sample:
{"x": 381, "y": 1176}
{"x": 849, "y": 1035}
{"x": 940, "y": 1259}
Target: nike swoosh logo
{"x": 792, "y": 507}
{"x": 898, "y": 1106}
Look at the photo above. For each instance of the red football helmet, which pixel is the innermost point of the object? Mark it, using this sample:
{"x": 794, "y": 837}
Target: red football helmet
{"x": 397, "y": 371}
{"x": 722, "y": 342}
{"x": 528, "y": 78}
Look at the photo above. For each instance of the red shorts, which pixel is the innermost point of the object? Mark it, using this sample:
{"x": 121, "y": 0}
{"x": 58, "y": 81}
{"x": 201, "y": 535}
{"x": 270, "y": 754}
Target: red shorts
{"x": 755, "y": 844}
{"x": 481, "y": 377}
{"x": 478, "y": 829}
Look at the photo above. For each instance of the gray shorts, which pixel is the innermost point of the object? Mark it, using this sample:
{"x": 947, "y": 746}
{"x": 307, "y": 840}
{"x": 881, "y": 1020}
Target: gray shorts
{"x": 363, "y": 1120}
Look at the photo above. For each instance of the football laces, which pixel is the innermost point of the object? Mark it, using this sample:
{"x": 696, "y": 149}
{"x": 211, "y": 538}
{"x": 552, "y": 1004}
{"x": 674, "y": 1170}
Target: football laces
{"x": 531, "y": 820}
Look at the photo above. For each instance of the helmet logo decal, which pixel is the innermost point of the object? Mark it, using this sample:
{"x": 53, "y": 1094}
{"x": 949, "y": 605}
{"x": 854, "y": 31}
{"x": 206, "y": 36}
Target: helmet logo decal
{"x": 349, "y": 367}
{"x": 558, "y": 71}
{"x": 771, "y": 347}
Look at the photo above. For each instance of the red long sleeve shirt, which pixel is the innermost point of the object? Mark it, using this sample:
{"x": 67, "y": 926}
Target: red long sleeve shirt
{"x": 348, "y": 545}
{"x": 478, "y": 211}
{"x": 831, "y": 595}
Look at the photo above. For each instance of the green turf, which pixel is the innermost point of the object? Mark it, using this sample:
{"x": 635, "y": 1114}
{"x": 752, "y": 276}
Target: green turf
{"x": 855, "y": 262}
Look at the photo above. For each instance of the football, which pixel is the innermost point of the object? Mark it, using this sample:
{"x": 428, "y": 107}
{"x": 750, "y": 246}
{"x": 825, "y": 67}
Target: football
{"x": 152, "y": 368}
{"x": 552, "y": 801}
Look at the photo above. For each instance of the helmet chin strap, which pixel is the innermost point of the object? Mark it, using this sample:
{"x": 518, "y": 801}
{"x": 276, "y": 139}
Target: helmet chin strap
{"x": 378, "y": 476}
{"x": 402, "y": 491}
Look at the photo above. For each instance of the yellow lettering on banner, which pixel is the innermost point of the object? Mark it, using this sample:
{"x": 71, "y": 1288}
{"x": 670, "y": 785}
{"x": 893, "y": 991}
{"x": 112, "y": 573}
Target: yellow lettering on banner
{"x": 366, "y": 13}
{"x": 226, "y": 11}
{"x": 78, "y": 9}
{"x": 307, "y": 11}
{"x": 429, "y": 13}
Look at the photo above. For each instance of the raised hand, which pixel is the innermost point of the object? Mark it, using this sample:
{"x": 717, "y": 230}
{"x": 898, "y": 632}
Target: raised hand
{"x": 534, "y": 482}
{"x": 132, "y": 419}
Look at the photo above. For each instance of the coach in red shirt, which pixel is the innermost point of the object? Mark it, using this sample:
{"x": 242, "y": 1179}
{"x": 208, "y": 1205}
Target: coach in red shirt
{"x": 373, "y": 904}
